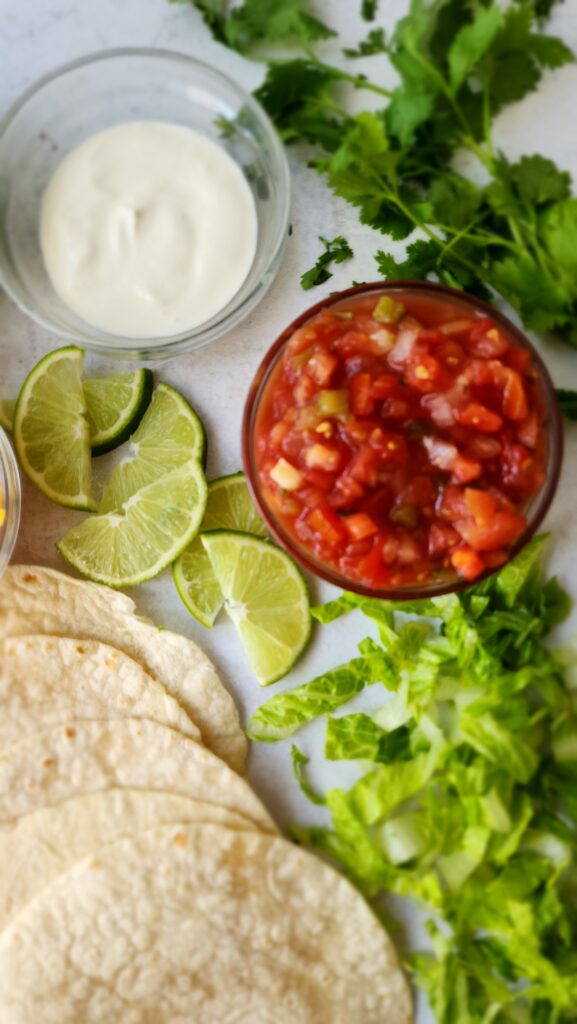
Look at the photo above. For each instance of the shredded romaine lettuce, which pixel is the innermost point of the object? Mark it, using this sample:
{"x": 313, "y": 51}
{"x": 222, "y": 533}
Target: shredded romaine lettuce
{"x": 468, "y": 804}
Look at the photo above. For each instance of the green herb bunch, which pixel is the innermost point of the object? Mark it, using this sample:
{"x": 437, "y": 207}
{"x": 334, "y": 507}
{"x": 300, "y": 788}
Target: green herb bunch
{"x": 468, "y": 801}
{"x": 459, "y": 62}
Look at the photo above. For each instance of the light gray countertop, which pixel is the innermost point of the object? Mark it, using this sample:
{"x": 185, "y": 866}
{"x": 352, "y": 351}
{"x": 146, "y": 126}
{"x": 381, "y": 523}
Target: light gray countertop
{"x": 38, "y": 35}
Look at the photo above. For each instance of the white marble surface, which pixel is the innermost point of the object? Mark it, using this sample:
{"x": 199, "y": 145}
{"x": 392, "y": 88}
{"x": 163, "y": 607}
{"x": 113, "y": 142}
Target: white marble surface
{"x": 36, "y": 36}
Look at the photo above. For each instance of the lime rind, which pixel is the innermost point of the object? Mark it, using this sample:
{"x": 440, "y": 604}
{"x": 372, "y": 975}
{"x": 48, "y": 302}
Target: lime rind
{"x": 267, "y": 598}
{"x": 169, "y": 434}
{"x": 7, "y": 410}
{"x": 136, "y": 542}
{"x": 115, "y": 406}
{"x": 51, "y": 433}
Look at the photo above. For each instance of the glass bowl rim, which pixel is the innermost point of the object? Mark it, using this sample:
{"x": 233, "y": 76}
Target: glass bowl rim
{"x": 411, "y": 592}
{"x": 164, "y": 347}
{"x": 12, "y": 500}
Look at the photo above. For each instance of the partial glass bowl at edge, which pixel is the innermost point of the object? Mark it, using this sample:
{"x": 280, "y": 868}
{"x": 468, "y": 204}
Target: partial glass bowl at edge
{"x": 535, "y": 511}
{"x": 9, "y": 501}
{"x": 88, "y": 95}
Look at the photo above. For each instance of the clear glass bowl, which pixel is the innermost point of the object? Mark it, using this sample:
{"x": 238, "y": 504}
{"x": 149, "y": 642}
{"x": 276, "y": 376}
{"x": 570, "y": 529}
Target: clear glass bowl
{"x": 9, "y": 500}
{"x": 74, "y": 102}
{"x": 534, "y": 511}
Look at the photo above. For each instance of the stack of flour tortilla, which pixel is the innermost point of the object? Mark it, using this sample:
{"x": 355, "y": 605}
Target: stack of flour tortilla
{"x": 142, "y": 881}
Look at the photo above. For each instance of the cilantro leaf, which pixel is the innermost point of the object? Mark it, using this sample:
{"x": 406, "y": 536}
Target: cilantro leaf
{"x": 567, "y": 403}
{"x": 369, "y": 9}
{"x": 455, "y": 200}
{"x": 374, "y": 42}
{"x": 472, "y": 42}
{"x": 336, "y": 251}
{"x": 538, "y": 181}
{"x": 256, "y": 21}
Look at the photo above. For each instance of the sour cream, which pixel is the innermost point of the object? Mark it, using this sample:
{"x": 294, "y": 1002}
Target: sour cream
{"x": 148, "y": 229}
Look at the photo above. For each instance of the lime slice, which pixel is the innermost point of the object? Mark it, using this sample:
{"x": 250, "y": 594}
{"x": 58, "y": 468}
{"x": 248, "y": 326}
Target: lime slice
{"x": 229, "y": 507}
{"x": 266, "y": 598}
{"x": 137, "y": 541}
{"x": 51, "y": 430}
{"x": 115, "y": 406}
{"x": 169, "y": 435}
{"x": 7, "y": 410}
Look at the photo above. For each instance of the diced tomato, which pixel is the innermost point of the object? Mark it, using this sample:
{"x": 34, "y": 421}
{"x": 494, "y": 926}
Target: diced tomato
{"x": 441, "y": 539}
{"x": 278, "y": 434}
{"x": 408, "y": 550}
{"x": 390, "y": 447}
{"x": 519, "y": 359}
{"x": 481, "y": 326}
{"x": 451, "y": 504}
{"x": 354, "y": 343}
{"x": 514, "y": 398}
{"x": 420, "y": 492}
{"x": 466, "y": 469}
{"x": 491, "y": 345}
{"x": 371, "y": 569}
{"x": 480, "y": 418}
{"x": 481, "y": 505}
{"x": 362, "y": 400}
{"x": 321, "y": 366}
{"x": 424, "y": 373}
{"x": 395, "y": 409}
{"x": 467, "y": 562}
{"x": 504, "y": 529}
{"x": 458, "y": 328}
{"x": 346, "y": 492}
{"x": 518, "y": 467}
{"x": 327, "y": 526}
{"x": 385, "y": 385}
{"x": 360, "y": 526}
{"x": 450, "y": 353}
{"x": 528, "y": 431}
{"x": 319, "y": 478}
{"x": 483, "y": 449}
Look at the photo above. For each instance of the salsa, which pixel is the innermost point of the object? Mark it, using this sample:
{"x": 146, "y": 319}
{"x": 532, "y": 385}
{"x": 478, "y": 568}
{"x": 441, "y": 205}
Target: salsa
{"x": 399, "y": 440}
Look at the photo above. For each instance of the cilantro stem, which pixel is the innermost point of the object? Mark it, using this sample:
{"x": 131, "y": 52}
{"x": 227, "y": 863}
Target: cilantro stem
{"x": 358, "y": 81}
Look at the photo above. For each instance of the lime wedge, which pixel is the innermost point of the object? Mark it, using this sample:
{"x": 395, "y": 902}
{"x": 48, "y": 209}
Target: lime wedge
{"x": 169, "y": 435}
{"x": 266, "y": 598}
{"x": 229, "y": 507}
{"x": 144, "y": 535}
{"x": 115, "y": 406}
{"x": 51, "y": 430}
{"x": 7, "y": 410}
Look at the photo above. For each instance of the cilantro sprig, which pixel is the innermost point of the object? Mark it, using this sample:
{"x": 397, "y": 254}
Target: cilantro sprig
{"x": 466, "y": 794}
{"x": 459, "y": 64}
{"x": 336, "y": 251}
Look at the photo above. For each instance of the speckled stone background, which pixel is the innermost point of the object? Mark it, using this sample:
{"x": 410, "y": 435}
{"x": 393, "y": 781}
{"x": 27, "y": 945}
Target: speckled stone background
{"x": 38, "y": 35}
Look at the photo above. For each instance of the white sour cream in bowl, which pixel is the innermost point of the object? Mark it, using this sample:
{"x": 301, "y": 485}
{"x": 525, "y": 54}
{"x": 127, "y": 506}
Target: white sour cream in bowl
{"x": 148, "y": 229}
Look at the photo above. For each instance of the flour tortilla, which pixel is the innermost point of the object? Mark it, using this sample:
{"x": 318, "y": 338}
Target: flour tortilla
{"x": 37, "y": 600}
{"x": 37, "y": 848}
{"x": 47, "y": 680}
{"x": 88, "y": 757}
{"x": 200, "y": 925}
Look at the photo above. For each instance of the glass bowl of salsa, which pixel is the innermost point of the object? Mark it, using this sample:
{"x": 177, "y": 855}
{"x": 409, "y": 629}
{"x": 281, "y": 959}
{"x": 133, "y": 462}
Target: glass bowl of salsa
{"x": 402, "y": 440}
{"x": 9, "y": 501}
